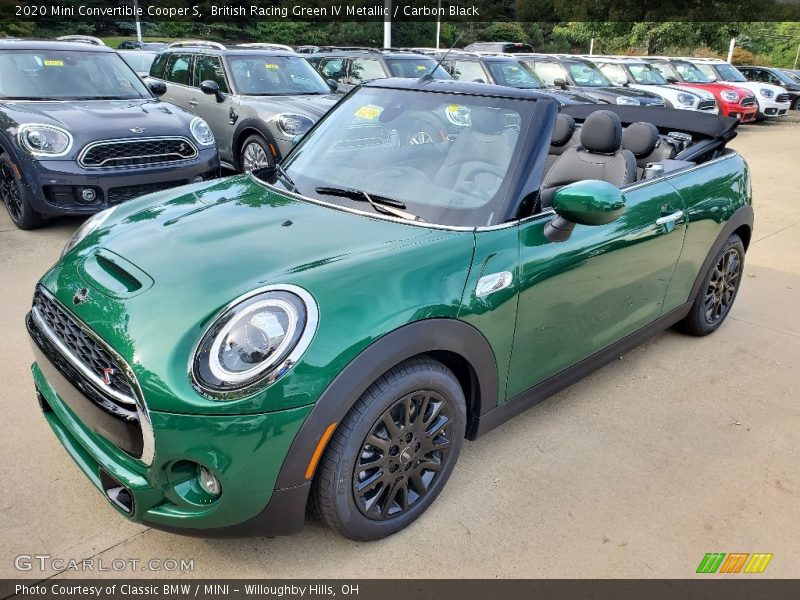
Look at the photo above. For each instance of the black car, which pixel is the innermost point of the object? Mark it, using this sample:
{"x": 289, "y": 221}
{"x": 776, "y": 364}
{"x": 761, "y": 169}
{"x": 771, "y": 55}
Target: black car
{"x": 81, "y": 132}
{"x": 502, "y": 47}
{"x": 137, "y": 45}
{"x": 580, "y": 75}
{"x": 780, "y": 77}
{"x": 508, "y": 71}
{"x": 350, "y": 66}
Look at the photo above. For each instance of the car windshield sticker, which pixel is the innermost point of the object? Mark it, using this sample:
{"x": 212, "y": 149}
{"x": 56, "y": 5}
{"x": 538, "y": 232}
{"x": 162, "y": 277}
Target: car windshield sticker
{"x": 369, "y": 112}
{"x": 272, "y": 66}
{"x": 54, "y": 63}
{"x": 422, "y": 68}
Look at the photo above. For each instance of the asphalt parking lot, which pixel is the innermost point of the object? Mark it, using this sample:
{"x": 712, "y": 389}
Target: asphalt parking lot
{"x": 683, "y": 446}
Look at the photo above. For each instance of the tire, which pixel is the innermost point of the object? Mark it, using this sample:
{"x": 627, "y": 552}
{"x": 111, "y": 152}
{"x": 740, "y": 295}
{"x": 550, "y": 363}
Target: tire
{"x": 414, "y": 470}
{"x": 14, "y": 195}
{"x": 718, "y": 290}
{"x": 255, "y": 146}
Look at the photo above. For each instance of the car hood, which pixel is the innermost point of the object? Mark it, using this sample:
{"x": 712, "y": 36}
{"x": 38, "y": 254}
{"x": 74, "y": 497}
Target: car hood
{"x": 94, "y": 120}
{"x": 755, "y": 86}
{"x": 162, "y": 267}
{"x": 642, "y": 96}
{"x": 310, "y": 105}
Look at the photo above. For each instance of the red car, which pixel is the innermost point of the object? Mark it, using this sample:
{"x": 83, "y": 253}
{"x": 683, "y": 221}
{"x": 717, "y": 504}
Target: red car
{"x": 733, "y": 101}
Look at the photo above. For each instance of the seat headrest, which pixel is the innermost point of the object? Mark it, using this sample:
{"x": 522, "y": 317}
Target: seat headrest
{"x": 487, "y": 120}
{"x": 640, "y": 138}
{"x": 563, "y": 130}
{"x": 602, "y": 132}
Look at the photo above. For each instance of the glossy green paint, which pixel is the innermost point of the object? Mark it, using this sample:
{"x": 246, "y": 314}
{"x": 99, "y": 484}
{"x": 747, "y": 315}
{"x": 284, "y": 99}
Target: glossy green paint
{"x": 589, "y": 202}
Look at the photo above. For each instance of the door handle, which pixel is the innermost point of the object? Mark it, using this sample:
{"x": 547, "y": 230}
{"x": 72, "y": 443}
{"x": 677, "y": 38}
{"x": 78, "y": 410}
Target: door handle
{"x": 192, "y": 102}
{"x": 666, "y": 220}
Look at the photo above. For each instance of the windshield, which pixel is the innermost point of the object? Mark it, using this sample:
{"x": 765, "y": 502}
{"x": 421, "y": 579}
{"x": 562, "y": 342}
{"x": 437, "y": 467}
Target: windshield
{"x": 688, "y": 72}
{"x": 261, "y": 75}
{"x": 138, "y": 60}
{"x": 644, "y": 74}
{"x": 722, "y": 71}
{"x": 67, "y": 75}
{"x": 411, "y": 68}
{"x": 515, "y": 74}
{"x": 587, "y": 75}
{"x": 443, "y": 157}
{"x": 792, "y": 76}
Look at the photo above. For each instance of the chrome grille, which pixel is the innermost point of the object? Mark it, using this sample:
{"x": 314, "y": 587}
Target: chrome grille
{"x": 133, "y": 152}
{"x": 707, "y": 105}
{"x": 91, "y": 354}
{"x": 783, "y": 98}
{"x": 748, "y": 101}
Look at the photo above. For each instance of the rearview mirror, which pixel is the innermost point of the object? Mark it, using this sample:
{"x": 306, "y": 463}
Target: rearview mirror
{"x": 211, "y": 88}
{"x": 590, "y": 202}
{"x": 159, "y": 88}
{"x": 559, "y": 82}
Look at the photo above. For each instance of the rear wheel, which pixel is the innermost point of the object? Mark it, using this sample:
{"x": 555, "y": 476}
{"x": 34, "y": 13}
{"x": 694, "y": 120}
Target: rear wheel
{"x": 393, "y": 453}
{"x": 12, "y": 191}
{"x": 718, "y": 290}
{"x": 255, "y": 154}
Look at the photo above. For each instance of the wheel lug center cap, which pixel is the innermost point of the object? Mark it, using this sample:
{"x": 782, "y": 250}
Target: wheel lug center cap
{"x": 406, "y": 455}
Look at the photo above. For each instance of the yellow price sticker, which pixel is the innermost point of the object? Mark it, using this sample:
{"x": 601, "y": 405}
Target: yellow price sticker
{"x": 54, "y": 63}
{"x": 368, "y": 112}
{"x": 422, "y": 68}
{"x": 272, "y": 66}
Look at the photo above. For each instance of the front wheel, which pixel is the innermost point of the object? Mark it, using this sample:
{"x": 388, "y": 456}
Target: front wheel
{"x": 718, "y": 290}
{"x": 393, "y": 453}
{"x": 255, "y": 154}
{"x": 13, "y": 195}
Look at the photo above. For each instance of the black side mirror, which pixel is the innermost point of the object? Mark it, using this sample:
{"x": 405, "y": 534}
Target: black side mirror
{"x": 672, "y": 80}
{"x": 333, "y": 84}
{"x": 561, "y": 83}
{"x": 211, "y": 88}
{"x": 159, "y": 88}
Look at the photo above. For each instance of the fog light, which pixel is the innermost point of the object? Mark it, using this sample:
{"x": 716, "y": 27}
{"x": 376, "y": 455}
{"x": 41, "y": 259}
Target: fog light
{"x": 197, "y": 179}
{"x": 88, "y": 194}
{"x": 208, "y": 482}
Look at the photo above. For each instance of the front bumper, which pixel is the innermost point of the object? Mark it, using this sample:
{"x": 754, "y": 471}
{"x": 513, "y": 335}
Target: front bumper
{"x": 245, "y": 452}
{"x": 767, "y": 107}
{"x": 54, "y": 186}
{"x": 745, "y": 114}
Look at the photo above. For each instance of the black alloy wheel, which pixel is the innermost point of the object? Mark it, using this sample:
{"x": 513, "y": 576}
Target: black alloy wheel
{"x": 402, "y": 455}
{"x": 722, "y": 287}
{"x": 10, "y": 192}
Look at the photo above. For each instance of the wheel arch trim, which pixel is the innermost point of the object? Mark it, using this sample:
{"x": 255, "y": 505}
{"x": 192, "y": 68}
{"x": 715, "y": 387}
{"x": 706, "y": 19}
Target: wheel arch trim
{"x": 240, "y": 135}
{"x": 421, "y": 337}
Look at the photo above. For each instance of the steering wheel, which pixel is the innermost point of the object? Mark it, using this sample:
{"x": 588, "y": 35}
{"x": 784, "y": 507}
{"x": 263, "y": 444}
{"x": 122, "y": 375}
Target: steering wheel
{"x": 467, "y": 183}
{"x": 400, "y": 172}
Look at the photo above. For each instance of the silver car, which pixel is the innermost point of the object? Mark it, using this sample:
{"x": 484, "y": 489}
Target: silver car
{"x": 257, "y": 102}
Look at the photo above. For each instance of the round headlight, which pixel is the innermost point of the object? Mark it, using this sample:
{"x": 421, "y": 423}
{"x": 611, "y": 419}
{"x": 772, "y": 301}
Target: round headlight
{"x": 294, "y": 124}
{"x": 686, "y": 99}
{"x": 90, "y": 225}
{"x": 626, "y": 101}
{"x": 254, "y": 341}
{"x": 766, "y": 93}
{"x": 201, "y": 132}
{"x": 458, "y": 115}
{"x": 729, "y": 96}
{"x": 44, "y": 140}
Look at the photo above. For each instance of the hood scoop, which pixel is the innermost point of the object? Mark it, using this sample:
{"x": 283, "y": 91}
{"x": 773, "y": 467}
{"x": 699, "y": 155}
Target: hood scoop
{"x": 114, "y": 276}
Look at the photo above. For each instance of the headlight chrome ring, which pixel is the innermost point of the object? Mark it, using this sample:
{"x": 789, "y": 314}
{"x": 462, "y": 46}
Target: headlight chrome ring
{"x": 253, "y": 341}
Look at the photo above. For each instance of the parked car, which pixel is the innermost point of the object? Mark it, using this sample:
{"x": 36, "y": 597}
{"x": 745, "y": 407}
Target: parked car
{"x": 580, "y": 75}
{"x": 739, "y": 103}
{"x": 778, "y": 77}
{"x": 267, "y": 46}
{"x": 81, "y": 132}
{"x": 82, "y": 39}
{"x": 345, "y": 321}
{"x": 773, "y": 101}
{"x": 139, "y": 60}
{"x": 501, "y": 47}
{"x": 306, "y": 49}
{"x": 257, "y": 102}
{"x": 137, "y": 45}
{"x": 637, "y": 73}
{"x": 350, "y": 67}
{"x": 506, "y": 71}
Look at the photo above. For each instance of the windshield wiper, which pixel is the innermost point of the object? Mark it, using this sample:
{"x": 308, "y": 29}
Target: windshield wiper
{"x": 382, "y": 204}
{"x": 285, "y": 177}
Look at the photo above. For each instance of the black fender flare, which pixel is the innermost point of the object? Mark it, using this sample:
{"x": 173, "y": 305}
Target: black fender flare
{"x": 742, "y": 216}
{"x": 420, "y": 337}
{"x": 257, "y": 125}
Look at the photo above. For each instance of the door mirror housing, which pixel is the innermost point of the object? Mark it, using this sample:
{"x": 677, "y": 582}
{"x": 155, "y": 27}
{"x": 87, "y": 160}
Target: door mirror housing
{"x": 590, "y": 202}
{"x": 621, "y": 81}
{"x": 211, "y": 88}
{"x": 159, "y": 88}
{"x": 560, "y": 82}
{"x": 333, "y": 84}
{"x": 672, "y": 80}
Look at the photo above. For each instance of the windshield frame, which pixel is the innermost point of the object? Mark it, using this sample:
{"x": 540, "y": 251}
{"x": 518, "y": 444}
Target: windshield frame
{"x": 235, "y": 87}
{"x": 568, "y": 65}
{"x": 645, "y": 67}
{"x": 526, "y": 164}
{"x": 141, "y": 94}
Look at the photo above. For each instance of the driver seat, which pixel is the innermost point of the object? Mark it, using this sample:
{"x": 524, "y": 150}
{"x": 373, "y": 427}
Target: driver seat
{"x": 485, "y": 147}
{"x": 599, "y": 156}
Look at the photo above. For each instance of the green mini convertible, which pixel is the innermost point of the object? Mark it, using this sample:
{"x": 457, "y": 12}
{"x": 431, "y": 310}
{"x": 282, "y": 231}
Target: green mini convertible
{"x": 430, "y": 260}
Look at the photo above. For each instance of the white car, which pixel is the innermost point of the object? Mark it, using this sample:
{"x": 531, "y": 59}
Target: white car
{"x": 639, "y": 74}
{"x": 773, "y": 101}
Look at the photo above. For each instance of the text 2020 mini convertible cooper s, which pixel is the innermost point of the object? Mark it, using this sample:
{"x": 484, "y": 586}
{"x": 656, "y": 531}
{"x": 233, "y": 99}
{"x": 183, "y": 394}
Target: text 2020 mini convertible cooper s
{"x": 336, "y": 326}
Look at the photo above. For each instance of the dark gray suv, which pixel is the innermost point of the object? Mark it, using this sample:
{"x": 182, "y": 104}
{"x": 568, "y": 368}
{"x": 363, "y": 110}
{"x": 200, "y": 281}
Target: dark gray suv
{"x": 81, "y": 132}
{"x": 257, "y": 102}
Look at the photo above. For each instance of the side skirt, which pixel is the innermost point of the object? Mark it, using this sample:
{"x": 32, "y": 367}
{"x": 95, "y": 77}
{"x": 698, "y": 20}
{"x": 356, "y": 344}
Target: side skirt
{"x": 556, "y": 383}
